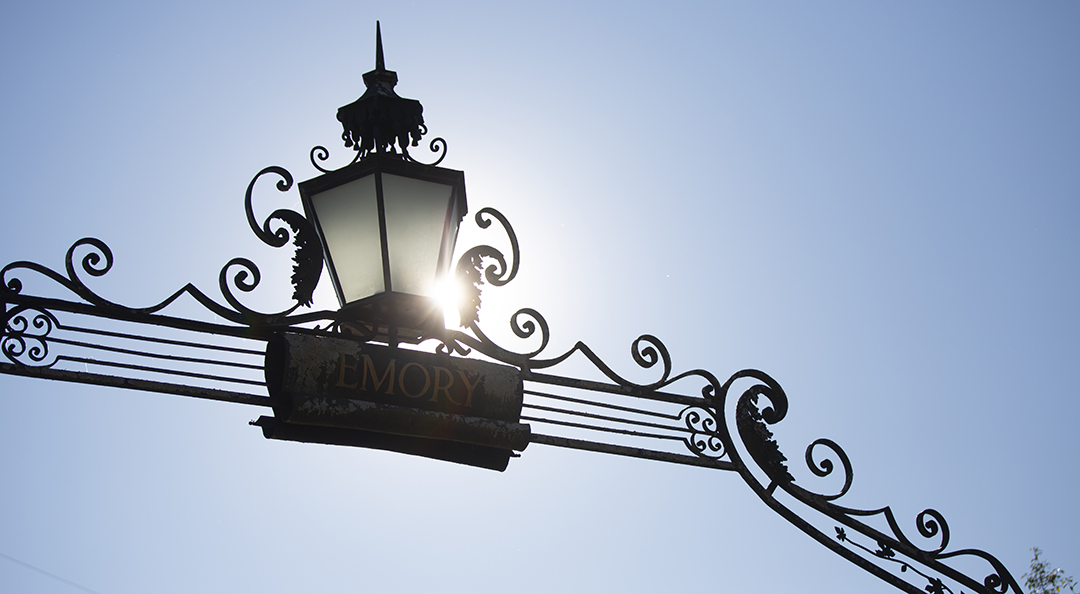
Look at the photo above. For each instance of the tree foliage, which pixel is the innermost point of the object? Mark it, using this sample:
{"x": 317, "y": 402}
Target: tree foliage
{"x": 1041, "y": 579}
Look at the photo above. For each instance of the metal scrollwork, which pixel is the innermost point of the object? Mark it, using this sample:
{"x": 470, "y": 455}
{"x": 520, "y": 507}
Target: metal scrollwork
{"x": 307, "y": 258}
{"x": 437, "y": 146}
{"x": 471, "y": 271}
{"x": 705, "y": 440}
{"x": 521, "y": 329}
{"x": 646, "y": 351}
{"x": 25, "y": 336}
{"x": 382, "y": 122}
{"x": 92, "y": 257}
{"x": 752, "y": 425}
{"x": 320, "y": 154}
{"x": 825, "y": 467}
{"x": 759, "y": 406}
{"x": 97, "y": 261}
{"x": 893, "y": 547}
{"x": 701, "y": 422}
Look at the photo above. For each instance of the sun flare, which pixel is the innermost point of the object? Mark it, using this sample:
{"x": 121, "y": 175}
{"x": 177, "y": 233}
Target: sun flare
{"x": 448, "y": 295}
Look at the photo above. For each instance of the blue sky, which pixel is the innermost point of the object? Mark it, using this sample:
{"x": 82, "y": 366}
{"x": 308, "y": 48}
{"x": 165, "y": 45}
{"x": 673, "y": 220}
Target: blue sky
{"x": 875, "y": 204}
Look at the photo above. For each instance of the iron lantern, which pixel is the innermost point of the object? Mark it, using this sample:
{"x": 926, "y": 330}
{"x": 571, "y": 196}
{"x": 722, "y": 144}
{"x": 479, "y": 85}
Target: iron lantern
{"x": 387, "y": 223}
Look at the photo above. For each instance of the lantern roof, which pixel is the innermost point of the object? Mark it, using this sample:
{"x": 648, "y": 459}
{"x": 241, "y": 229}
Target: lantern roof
{"x": 380, "y": 118}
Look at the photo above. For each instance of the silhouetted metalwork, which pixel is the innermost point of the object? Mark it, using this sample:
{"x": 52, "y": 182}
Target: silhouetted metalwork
{"x": 380, "y": 119}
{"x": 682, "y": 418}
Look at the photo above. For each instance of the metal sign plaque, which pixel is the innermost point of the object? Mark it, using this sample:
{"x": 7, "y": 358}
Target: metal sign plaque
{"x": 332, "y": 390}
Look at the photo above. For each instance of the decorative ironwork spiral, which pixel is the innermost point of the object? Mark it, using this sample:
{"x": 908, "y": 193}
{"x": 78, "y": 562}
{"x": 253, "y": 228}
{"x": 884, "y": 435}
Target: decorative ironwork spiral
{"x": 525, "y": 329}
{"x": 705, "y": 440}
{"x": 437, "y": 146}
{"x": 96, "y": 262}
{"x": 92, "y": 262}
{"x": 752, "y": 425}
{"x": 647, "y": 351}
{"x": 307, "y": 259}
{"x": 825, "y": 467}
{"x": 522, "y": 329}
{"x": 320, "y": 154}
{"x": 23, "y": 326}
{"x": 929, "y": 523}
{"x": 470, "y": 267}
{"x": 498, "y": 273}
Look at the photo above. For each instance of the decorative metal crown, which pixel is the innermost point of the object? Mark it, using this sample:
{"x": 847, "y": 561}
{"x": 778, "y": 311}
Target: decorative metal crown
{"x": 380, "y": 118}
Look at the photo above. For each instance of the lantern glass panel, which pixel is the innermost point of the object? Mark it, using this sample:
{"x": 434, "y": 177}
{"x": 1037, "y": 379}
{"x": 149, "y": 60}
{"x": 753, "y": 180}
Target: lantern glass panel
{"x": 349, "y": 218}
{"x": 416, "y": 232}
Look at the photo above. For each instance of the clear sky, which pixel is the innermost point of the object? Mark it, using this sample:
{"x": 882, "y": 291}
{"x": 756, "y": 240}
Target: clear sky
{"x": 877, "y": 204}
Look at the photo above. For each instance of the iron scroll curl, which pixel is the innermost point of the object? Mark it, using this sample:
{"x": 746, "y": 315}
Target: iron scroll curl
{"x": 471, "y": 274}
{"x": 26, "y": 333}
{"x": 307, "y": 257}
{"x": 320, "y": 154}
{"x": 437, "y": 146}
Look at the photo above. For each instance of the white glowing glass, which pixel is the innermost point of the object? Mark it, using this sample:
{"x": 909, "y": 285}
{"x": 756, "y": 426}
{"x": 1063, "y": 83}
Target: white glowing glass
{"x": 349, "y": 218}
{"x": 388, "y": 229}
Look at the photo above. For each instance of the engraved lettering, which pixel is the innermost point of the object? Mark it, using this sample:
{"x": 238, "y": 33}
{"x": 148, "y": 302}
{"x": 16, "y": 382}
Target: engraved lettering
{"x": 341, "y": 374}
{"x": 401, "y": 380}
{"x": 468, "y": 386}
{"x": 369, "y": 369}
{"x": 445, "y": 389}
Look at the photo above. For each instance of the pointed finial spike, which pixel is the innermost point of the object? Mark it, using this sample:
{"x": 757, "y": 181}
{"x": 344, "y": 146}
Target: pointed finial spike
{"x": 379, "y": 64}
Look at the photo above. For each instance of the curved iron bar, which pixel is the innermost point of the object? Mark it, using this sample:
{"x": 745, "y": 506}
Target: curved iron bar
{"x": 825, "y": 467}
{"x": 307, "y": 258}
{"x": 321, "y": 153}
{"x": 437, "y": 146}
{"x": 485, "y": 345}
{"x": 471, "y": 272}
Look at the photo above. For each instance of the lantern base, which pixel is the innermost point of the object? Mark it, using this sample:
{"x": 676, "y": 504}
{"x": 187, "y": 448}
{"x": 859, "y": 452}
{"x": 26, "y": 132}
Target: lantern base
{"x": 397, "y": 317}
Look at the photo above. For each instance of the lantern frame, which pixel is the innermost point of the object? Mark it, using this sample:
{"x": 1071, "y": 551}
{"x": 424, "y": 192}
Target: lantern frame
{"x": 406, "y": 315}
